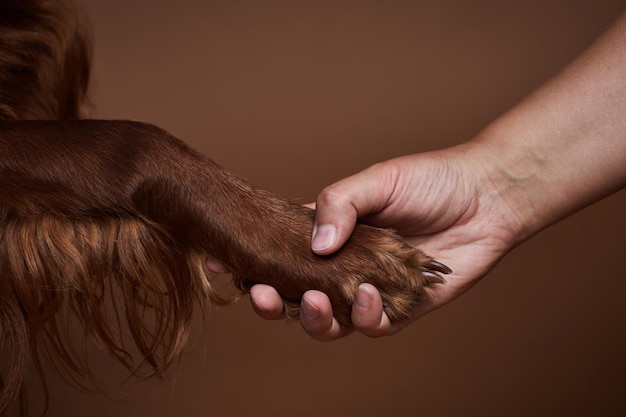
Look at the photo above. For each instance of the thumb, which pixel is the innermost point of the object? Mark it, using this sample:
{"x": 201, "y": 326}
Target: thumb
{"x": 340, "y": 204}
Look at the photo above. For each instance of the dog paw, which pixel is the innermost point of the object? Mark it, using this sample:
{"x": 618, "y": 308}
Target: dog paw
{"x": 401, "y": 273}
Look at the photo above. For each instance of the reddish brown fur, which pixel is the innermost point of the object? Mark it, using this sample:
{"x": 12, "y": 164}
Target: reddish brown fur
{"x": 111, "y": 223}
{"x": 45, "y": 57}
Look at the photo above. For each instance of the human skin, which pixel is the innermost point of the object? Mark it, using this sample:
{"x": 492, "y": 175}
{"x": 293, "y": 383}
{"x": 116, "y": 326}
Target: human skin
{"x": 558, "y": 151}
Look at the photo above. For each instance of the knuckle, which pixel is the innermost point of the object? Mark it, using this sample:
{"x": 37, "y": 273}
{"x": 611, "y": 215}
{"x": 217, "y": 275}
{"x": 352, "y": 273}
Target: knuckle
{"x": 332, "y": 195}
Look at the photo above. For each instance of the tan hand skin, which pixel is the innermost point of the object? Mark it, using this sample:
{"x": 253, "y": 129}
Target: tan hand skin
{"x": 558, "y": 151}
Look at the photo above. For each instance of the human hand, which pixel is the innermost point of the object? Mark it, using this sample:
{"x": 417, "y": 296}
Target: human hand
{"x": 441, "y": 202}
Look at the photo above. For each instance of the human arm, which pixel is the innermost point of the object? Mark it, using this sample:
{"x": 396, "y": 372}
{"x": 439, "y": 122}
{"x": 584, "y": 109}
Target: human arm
{"x": 561, "y": 149}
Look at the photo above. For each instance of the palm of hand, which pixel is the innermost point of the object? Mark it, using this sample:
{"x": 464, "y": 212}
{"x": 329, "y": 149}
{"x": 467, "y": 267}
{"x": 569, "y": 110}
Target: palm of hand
{"x": 440, "y": 204}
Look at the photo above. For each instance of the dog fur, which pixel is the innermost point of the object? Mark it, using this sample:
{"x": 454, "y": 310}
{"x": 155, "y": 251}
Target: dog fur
{"x": 111, "y": 223}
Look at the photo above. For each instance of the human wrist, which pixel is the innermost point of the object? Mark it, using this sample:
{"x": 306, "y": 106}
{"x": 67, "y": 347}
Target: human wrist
{"x": 509, "y": 183}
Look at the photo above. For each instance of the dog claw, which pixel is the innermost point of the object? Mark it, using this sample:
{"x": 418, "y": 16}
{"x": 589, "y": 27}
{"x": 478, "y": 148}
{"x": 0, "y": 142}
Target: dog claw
{"x": 436, "y": 266}
{"x": 434, "y": 277}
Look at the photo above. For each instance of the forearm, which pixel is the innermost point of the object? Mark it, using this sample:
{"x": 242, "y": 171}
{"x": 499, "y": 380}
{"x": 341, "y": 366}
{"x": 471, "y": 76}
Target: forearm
{"x": 564, "y": 147}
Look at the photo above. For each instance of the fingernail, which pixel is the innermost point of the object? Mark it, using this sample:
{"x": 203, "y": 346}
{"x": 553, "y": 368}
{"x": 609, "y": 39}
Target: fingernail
{"x": 324, "y": 237}
{"x": 363, "y": 298}
{"x": 309, "y": 310}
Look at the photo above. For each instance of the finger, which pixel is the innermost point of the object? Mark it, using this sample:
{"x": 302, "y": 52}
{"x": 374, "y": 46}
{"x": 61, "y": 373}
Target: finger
{"x": 368, "y": 316}
{"x": 216, "y": 267}
{"x": 316, "y": 317}
{"x": 266, "y": 302}
{"x": 340, "y": 204}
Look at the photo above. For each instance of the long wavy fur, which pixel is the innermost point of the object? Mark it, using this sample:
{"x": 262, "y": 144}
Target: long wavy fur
{"x": 110, "y": 224}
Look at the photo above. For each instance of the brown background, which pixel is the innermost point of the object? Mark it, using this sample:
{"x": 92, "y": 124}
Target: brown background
{"x": 296, "y": 94}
